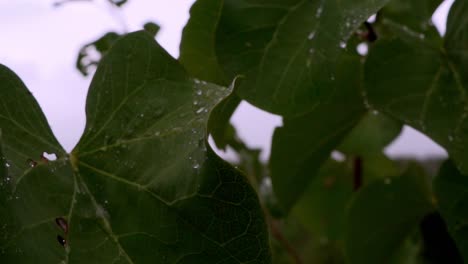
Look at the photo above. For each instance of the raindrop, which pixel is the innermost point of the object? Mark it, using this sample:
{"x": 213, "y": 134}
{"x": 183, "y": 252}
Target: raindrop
{"x": 50, "y": 157}
{"x": 342, "y": 44}
{"x": 311, "y": 51}
{"x": 311, "y": 35}
{"x": 157, "y": 133}
{"x": 196, "y": 81}
{"x": 362, "y": 49}
{"x": 7, "y": 165}
{"x": 450, "y": 138}
{"x": 372, "y": 18}
{"x": 200, "y": 110}
{"x": 421, "y": 36}
{"x": 61, "y": 240}
{"x": 62, "y": 223}
{"x": 199, "y": 92}
{"x": 196, "y": 166}
{"x": 195, "y": 102}
{"x": 319, "y": 12}
{"x": 338, "y": 156}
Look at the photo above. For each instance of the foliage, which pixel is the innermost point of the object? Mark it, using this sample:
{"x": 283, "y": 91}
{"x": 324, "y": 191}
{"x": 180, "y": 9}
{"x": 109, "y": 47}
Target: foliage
{"x": 144, "y": 186}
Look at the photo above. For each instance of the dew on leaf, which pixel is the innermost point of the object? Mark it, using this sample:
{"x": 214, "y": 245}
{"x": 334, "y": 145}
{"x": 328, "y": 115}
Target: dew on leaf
{"x": 362, "y": 49}
{"x": 372, "y": 18}
{"x": 338, "y": 156}
{"x": 51, "y": 156}
{"x": 319, "y": 12}
{"x": 200, "y": 110}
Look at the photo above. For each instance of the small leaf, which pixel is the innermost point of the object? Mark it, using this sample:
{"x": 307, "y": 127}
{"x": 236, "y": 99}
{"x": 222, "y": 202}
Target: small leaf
{"x": 384, "y": 214}
{"x": 451, "y": 188}
{"x": 89, "y": 58}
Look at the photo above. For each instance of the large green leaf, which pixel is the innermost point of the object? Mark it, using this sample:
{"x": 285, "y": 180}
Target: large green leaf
{"x": 382, "y": 216}
{"x": 424, "y": 84}
{"x": 142, "y": 186}
{"x": 287, "y": 49}
{"x": 451, "y": 189}
{"x": 303, "y": 143}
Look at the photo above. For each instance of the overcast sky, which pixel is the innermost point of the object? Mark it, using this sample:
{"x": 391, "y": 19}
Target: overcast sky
{"x": 40, "y": 43}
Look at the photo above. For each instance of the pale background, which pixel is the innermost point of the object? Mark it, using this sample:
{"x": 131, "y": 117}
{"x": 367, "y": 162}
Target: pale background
{"x": 40, "y": 43}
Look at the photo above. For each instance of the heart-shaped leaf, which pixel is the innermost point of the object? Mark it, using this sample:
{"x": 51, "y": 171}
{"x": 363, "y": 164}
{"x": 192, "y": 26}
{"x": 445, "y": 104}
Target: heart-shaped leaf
{"x": 142, "y": 185}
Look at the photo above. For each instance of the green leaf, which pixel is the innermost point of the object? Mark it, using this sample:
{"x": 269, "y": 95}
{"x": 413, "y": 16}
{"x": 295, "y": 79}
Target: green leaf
{"x": 384, "y": 214}
{"x": 322, "y": 207}
{"x": 373, "y": 133}
{"x": 422, "y": 83}
{"x": 142, "y": 185}
{"x": 451, "y": 188}
{"x": 287, "y": 50}
{"x": 197, "y": 48}
{"x": 301, "y": 146}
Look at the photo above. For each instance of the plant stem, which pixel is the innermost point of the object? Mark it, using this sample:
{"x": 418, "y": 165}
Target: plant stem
{"x": 278, "y": 235}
